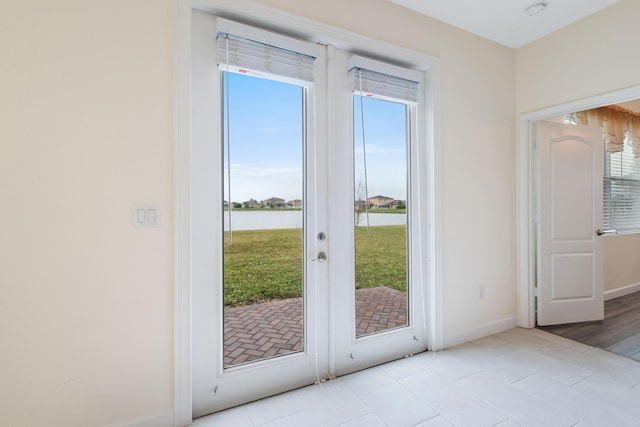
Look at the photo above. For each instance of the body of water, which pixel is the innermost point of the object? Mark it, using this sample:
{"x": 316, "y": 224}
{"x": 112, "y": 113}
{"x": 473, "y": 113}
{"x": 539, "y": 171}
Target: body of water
{"x": 263, "y": 220}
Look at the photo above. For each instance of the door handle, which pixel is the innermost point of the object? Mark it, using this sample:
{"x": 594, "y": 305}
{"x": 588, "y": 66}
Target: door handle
{"x": 600, "y": 232}
{"x": 322, "y": 256}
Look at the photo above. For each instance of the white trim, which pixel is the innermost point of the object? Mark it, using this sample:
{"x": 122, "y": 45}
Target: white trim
{"x": 316, "y": 32}
{"x": 267, "y": 37}
{"x": 525, "y": 175}
{"x": 435, "y": 314}
{"x": 357, "y": 61}
{"x": 481, "y": 331}
{"x": 620, "y": 292}
{"x": 182, "y": 230}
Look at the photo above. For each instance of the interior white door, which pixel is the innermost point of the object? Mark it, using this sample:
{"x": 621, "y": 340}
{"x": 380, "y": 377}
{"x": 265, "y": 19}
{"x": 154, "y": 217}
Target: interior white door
{"x": 570, "y": 265}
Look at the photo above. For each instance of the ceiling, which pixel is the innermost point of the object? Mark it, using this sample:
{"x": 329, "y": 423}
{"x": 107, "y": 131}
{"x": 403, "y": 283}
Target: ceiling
{"x": 506, "y": 21}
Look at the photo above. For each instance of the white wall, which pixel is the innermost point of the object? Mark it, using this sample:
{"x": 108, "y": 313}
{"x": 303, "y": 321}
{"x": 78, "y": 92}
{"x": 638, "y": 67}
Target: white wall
{"x": 85, "y": 132}
{"x": 621, "y": 266}
{"x": 589, "y": 58}
{"x": 574, "y": 64}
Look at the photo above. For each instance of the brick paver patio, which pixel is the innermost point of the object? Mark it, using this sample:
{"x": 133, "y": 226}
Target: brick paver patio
{"x": 274, "y": 328}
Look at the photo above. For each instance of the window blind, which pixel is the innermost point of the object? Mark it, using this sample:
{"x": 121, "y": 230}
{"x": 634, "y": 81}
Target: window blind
{"x": 374, "y": 78}
{"x": 245, "y": 55}
{"x": 622, "y": 191}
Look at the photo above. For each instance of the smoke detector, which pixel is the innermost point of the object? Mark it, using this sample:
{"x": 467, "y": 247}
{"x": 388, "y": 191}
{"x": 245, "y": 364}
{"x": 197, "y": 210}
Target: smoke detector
{"x": 536, "y": 9}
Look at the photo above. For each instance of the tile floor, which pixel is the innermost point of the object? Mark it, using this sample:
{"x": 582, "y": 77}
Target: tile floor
{"x": 516, "y": 378}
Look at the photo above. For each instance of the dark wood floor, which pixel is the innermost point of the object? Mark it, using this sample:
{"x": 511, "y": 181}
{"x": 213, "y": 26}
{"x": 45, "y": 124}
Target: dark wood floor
{"x": 619, "y": 332}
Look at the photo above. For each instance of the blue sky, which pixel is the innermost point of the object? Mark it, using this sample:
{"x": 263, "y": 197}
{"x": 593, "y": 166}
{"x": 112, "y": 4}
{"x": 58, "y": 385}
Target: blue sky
{"x": 385, "y": 143}
{"x": 267, "y": 142}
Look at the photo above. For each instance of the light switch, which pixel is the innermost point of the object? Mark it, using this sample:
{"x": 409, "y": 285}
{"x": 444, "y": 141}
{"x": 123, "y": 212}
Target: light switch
{"x": 141, "y": 216}
{"x": 145, "y": 216}
{"x": 151, "y": 216}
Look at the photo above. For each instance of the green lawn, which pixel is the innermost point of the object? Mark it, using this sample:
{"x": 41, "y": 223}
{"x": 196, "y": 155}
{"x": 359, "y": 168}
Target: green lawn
{"x": 381, "y": 258}
{"x": 267, "y": 264}
{"x": 386, "y": 211}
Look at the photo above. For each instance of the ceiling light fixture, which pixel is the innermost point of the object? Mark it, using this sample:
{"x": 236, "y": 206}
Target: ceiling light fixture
{"x": 536, "y": 9}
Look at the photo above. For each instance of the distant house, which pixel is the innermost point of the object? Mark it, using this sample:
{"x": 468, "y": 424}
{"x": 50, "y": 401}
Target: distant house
{"x": 359, "y": 204}
{"x": 295, "y": 203}
{"x": 380, "y": 201}
{"x": 251, "y": 203}
{"x": 273, "y": 202}
{"x": 225, "y": 203}
{"x": 397, "y": 203}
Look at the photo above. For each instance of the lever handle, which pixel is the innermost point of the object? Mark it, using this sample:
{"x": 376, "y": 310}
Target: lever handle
{"x": 600, "y": 232}
{"x": 322, "y": 256}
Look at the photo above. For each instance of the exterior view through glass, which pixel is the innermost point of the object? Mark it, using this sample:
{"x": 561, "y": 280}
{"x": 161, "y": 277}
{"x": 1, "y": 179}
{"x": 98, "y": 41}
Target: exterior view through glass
{"x": 263, "y": 207}
{"x": 380, "y": 210}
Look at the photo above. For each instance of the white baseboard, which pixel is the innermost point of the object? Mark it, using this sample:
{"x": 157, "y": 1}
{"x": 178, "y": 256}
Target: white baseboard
{"x": 480, "y": 331}
{"x": 620, "y": 292}
{"x": 164, "y": 419}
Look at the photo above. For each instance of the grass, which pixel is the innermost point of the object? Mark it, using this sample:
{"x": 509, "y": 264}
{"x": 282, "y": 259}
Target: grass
{"x": 262, "y": 265}
{"x": 267, "y": 264}
{"x": 381, "y": 258}
{"x": 386, "y": 211}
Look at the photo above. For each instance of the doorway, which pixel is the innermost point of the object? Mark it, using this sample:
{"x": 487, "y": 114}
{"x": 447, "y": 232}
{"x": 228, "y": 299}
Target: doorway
{"x": 527, "y": 173}
{"x": 308, "y": 205}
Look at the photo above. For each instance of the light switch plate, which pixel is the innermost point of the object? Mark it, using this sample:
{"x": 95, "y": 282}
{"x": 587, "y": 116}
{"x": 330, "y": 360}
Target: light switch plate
{"x": 145, "y": 216}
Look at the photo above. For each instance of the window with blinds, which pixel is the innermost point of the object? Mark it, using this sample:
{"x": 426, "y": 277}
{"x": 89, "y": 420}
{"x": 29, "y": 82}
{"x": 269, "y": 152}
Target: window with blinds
{"x": 243, "y": 55}
{"x": 247, "y": 50}
{"x": 622, "y": 191}
{"x": 370, "y": 78}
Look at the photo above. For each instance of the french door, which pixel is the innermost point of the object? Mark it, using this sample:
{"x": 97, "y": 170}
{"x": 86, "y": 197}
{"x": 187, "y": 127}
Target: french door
{"x": 307, "y": 239}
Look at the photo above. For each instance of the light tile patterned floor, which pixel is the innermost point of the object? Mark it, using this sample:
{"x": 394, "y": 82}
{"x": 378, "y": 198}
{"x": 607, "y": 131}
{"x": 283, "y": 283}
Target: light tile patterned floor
{"x": 515, "y": 378}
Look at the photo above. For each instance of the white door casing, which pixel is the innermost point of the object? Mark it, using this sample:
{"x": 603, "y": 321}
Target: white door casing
{"x": 570, "y": 253}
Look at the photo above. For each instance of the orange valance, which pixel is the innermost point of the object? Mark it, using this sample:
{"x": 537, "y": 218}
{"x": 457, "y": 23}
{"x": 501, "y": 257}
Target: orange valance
{"x": 619, "y": 126}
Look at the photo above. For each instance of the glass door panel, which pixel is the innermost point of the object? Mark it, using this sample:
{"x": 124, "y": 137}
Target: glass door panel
{"x": 380, "y": 209}
{"x": 263, "y": 257}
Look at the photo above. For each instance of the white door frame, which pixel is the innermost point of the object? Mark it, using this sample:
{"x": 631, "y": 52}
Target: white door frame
{"x": 526, "y": 177}
{"x": 182, "y": 169}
